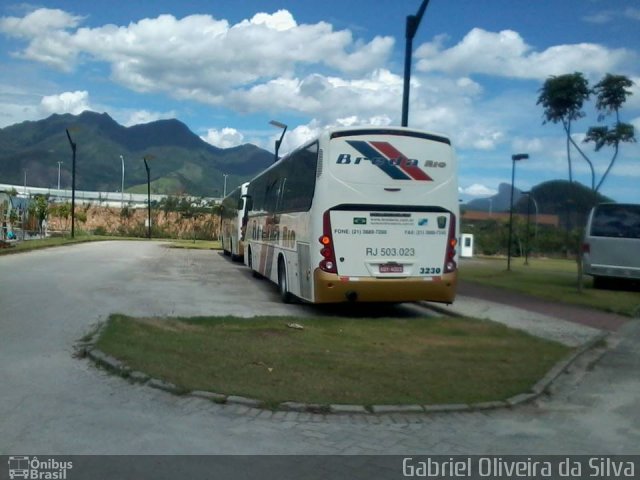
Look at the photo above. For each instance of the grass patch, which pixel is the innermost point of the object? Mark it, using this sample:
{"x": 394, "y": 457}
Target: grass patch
{"x": 196, "y": 245}
{"x": 335, "y": 360}
{"x": 551, "y": 279}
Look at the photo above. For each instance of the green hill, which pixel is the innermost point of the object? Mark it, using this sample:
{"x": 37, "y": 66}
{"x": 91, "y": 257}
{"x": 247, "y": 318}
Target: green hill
{"x": 181, "y": 162}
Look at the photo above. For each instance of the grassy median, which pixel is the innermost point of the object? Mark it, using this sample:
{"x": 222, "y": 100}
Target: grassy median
{"x": 335, "y": 360}
{"x": 551, "y": 279}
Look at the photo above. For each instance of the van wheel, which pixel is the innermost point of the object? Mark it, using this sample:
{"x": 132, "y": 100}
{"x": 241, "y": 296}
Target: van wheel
{"x": 600, "y": 282}
{"x": 283, "y": 286}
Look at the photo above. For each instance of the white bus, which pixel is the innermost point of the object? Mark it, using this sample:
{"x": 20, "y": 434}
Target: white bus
{"x": 232, "y": 215}
{"x": 611, "y": 248}
{"x": 358, "y": 214}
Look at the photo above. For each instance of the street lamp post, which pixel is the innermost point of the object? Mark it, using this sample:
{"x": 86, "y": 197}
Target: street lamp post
{"x": 146, "y": 166}
{"x": 514, "y": 159}
{"x": 224, "y": 191}
{"x": 278, "y": 142}
{"x": 413, "y": 21}
{"x": 59, "y": 163}
{"x": 526, "y": 250}
{"x": 73, "y": 183}
{"x": 122, "y": 188}
{"x": 24, "y": 208}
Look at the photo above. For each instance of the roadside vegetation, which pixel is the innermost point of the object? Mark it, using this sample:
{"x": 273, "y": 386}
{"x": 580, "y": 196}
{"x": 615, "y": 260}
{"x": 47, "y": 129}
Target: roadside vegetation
{"x": 551, "y": 279}
{"x": 335, "y": 360}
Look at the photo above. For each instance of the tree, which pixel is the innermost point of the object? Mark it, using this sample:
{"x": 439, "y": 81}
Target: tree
{"x": 611, "y": 93}
{"x": 39, "y": 207}
{"x": 62, "y": 211}
{"x": 562, "y": 98}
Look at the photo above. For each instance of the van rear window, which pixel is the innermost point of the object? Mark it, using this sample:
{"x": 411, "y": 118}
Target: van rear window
{"x": 619, "y": 221}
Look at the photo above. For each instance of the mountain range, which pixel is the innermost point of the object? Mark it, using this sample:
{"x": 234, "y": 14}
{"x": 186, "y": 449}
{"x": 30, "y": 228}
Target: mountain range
{"x": 179, "y": 160}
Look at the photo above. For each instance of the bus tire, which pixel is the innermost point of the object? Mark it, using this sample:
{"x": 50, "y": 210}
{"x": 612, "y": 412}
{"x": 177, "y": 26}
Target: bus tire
{"x": 250, "y": 264}
{"x": 234, "y": 257}
{"x": 283, "y": 285}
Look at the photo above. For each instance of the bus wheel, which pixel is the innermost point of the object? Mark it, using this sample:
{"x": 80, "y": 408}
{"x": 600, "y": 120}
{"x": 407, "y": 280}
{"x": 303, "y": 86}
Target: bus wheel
{"x": 283, "y": 287}
{"x": 250, "y": 264}
{"x": 234, "y": 257}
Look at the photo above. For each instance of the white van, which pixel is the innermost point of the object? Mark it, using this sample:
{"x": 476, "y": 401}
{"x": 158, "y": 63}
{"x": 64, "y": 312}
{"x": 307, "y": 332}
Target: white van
{"x": 611, "y": 248}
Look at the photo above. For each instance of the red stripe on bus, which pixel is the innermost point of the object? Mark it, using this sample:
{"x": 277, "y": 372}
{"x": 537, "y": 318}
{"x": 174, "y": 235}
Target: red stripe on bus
{"x": 391, "y": 152}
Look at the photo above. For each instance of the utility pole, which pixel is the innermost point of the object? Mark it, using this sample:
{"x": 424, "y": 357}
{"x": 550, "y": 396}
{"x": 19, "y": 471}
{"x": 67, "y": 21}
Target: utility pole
{"x": 514, "y": 159}
{"x": 146, "y": 166}
{"x": 281, "y": 125}
{"x": 413, "y": 21}
{"x": 122, "y": 188}
{"x": 59, "y": 163}
{"x": 73, "y": 184}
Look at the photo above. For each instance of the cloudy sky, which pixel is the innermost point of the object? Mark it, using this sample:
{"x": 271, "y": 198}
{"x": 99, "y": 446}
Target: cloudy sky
{"x": 227, "y": 68}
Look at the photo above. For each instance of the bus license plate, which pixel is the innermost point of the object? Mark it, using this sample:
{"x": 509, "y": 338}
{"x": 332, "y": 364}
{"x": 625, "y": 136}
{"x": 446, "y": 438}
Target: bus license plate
{"x": 391, "y": 268}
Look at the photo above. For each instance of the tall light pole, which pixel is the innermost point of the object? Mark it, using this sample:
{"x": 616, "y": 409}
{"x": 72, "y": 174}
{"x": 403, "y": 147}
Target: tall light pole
{"x": 122, "y": 188}
{"x": 526, "y": 250}
{"x": 146, "y": 166}
{"x": 514, "y": 159}
{"x": 278, "y": 142}
{"x": 24, "y": 208}
{"x": 73, "y": 183}
{"x": 413, "y": 21}
{"x": 224, "y": 191}
{"x": 59, "y": 163}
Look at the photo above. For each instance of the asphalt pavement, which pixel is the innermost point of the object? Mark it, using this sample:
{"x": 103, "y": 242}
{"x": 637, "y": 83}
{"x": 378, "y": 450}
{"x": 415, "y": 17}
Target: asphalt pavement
{"x": 51, "y": 402}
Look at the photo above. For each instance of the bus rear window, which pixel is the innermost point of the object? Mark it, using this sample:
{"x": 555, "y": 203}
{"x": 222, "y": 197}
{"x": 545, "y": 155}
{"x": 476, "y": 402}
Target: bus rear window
{"x": 619, "y": 221}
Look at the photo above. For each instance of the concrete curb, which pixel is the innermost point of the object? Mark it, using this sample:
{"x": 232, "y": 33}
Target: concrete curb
{"x": 541, "y": 387}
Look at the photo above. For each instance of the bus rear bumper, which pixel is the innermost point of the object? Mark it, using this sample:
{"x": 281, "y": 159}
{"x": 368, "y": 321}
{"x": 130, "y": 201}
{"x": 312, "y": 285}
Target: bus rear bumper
{"x": 332, "y": 288}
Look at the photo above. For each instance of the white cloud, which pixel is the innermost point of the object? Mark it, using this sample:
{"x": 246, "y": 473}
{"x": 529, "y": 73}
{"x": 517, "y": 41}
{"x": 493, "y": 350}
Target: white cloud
{"x": 196, "y": 57}
{"x": 145, "y": 116}
{"x": 304, "y": 133}
{"x": 527, "y": 145}
{"x": 600, "y": 17}
{"x": 225, "y": 138}
{"x": 39, "y": 23}
{"x": 632, "y": 13}
{"x": 281, "y": 20}
{"x": 67, "y": 102}
{"x": 506, "y": 54}
{"x": 478, "y": 190}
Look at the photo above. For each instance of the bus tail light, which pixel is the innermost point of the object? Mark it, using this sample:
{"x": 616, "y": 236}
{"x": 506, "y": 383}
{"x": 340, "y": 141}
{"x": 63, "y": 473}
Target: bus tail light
{"x": 328, "y": 262}
{"x": 586, "y": 248}
{"x": 450, "y": 264}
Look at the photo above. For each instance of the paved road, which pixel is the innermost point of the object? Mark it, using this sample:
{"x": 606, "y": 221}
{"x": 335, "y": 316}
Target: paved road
{"x": 53, "y": 403}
